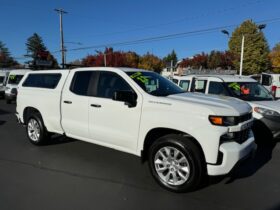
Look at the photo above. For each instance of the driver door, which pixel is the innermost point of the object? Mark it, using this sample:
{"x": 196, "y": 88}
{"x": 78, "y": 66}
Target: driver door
{"x": 113, "y": 123}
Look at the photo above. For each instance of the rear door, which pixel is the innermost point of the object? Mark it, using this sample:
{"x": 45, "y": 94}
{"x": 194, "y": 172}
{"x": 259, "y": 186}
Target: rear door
{"x": 74, "y": 104}
{"x": 113, "y": 123}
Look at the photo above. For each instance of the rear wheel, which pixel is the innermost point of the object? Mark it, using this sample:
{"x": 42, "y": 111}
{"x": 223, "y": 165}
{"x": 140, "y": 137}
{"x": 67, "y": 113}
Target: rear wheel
{"x": 177, "y": 163}
{"x": 36, "y": 131}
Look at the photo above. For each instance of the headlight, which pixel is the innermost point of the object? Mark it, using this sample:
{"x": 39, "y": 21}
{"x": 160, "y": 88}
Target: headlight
{"x": 223, "y": 120}
{"x": 267, "y": 112}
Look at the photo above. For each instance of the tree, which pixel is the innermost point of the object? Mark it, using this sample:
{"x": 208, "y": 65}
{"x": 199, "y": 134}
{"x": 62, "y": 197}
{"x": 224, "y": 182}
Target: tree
{"x": 5, "y": 57}
{"x": 151, "y": 62}
{"x": 219, "y": 59}
{"x": 37, "y": 50}
{"x": 275, "y": 58}
{"x": 171, "y": 57}
{"x": 131, "y": 59}
{"x": 256, "y": 49}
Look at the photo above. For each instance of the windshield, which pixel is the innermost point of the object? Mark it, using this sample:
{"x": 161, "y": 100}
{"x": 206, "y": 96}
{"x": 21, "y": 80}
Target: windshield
{"x": 15, "y": 79}
{"x": 155, "y": 84}
{"x": 2, "y": 79}
{"x": 249, "y": 91}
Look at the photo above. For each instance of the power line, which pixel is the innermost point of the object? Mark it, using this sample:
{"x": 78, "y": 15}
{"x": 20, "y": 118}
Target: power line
{"x": 221, "y": 11}
{"x": 165, "y": 37}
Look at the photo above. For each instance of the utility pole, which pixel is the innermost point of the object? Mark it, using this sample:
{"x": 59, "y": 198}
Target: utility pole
{"x": 105, "y": 61}
{"x": 171, "y": 68}
{"x": 61, "y": 12}
{"x": 242, "y": 55}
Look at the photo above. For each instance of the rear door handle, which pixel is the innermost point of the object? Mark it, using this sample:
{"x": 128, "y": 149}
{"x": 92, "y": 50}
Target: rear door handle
{"x": 95, "y": 105}
{"x": 67, "y": 102}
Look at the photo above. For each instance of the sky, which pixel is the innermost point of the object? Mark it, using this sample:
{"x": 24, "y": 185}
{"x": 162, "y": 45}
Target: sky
{"x": 91, "y": 23}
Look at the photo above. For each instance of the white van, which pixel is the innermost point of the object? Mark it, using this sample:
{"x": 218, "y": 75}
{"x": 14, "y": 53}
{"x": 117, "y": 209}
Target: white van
{"x": 3, "y": 78}
{"x": 272, "y": 83}
{"x": 13, "y": 80}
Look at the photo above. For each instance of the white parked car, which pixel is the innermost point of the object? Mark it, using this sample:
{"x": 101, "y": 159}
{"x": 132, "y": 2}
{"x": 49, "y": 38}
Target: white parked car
{"x": 266, "y": 110}
{"x": 184, "y": 136}
{"x": 272, "y": 83}
{"x": 13, "y": 80}
{"x": 3, "y": 78}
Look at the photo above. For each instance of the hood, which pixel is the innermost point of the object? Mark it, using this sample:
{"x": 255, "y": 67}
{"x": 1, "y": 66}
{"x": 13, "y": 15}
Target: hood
{"x": 220, "y": 105}
{"x": 274, "y": 105}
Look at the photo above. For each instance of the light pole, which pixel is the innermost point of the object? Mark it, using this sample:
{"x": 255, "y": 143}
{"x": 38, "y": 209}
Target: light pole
{"x": 260, "y": 27}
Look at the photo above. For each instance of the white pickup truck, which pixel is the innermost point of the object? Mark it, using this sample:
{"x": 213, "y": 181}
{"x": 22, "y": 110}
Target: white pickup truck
{"x": 184, "y": 136}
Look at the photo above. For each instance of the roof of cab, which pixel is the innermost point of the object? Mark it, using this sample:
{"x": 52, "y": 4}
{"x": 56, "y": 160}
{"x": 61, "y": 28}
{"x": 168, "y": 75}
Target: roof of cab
{"x": 224, "y": 78}
{"x": 124, "y": 69}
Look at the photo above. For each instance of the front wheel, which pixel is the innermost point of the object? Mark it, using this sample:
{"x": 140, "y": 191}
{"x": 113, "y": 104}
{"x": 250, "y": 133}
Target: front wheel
{"x": 177, "y": 163}
{"x": 36, "y": 131}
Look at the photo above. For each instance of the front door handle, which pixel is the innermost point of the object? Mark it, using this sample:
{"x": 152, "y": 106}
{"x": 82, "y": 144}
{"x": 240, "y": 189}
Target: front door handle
{"x": 95, "y": 105}
{"x": 67, "y": 102}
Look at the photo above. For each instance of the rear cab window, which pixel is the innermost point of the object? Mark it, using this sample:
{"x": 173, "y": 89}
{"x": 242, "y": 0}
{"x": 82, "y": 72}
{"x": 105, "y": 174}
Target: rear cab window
{"x": 48, "y": 80}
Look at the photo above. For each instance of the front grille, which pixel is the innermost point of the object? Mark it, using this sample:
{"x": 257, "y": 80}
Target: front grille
{"x": 245, "y": 117}
{"x": 239, "y": 137}
{"x": 242, "y": 136}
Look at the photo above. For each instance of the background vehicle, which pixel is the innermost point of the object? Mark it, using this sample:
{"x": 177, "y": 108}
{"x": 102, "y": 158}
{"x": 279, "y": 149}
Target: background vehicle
{"x": 3, "y": 78}
{"x": 13, "y": 80}
{"x": 266, "y": 110}
{"x": 184, "y": 136}
{"x": 272, "y": 83}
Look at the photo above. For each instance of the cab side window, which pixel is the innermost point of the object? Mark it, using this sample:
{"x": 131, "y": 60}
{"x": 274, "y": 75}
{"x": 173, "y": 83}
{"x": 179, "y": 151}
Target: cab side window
{"x": 109, "y": 83}
{"x": 200, "y": 86}
{"x": 184, "y": 84}
{"x": 217, "y": 88}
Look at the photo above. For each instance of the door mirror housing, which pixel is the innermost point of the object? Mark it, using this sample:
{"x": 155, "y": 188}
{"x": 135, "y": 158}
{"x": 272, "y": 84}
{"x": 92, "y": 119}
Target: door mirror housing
{"x": 128, "y": 97}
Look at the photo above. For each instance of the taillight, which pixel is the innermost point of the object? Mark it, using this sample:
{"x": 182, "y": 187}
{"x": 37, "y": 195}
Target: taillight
{"x": 273, "y": 90}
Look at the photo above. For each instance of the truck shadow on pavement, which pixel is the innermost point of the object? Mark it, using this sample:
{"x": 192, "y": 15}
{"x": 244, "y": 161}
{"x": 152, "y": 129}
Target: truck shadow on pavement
{"x": 2, "y": 122}
{"x": 59, "y": 139}
{"x": 249, "y": 167}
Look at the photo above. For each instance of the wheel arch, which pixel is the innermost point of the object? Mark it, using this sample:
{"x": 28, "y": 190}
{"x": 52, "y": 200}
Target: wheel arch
{"x": 156, "y": 133}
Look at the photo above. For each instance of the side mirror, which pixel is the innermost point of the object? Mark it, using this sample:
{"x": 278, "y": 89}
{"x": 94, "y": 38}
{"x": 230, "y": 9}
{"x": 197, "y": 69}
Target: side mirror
{"x": 128, "y": 97}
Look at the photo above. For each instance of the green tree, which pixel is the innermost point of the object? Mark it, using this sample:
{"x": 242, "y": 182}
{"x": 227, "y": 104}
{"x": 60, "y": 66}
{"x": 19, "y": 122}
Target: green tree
{"x": 256, "y": 49}
{"x": 5, "y": 57}
{"x": 171, "y": 57}
{"x": 37, "y": 50}
{"x": 274, "y": 56}
{"x": 151, "y": 62}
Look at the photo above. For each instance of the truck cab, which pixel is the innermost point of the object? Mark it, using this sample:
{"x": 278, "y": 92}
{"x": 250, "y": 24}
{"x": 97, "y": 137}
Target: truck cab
{"x": 13, "y": 80}
{"x": 266, "y": 109}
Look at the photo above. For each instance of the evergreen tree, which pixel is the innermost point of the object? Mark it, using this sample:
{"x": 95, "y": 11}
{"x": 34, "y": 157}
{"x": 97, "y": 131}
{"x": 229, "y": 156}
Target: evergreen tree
{"x": 256, "y": 49}
{"x": 37, "y": 50}
{"x": 171, "y": 56}
{"x": 35, "y": 46}
{"x": 5, "y": 57}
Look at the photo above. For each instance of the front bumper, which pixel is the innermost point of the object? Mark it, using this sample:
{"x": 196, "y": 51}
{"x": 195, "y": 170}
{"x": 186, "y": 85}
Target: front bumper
{"x": 232, "y": 153}
{"x": 273, "y": 124}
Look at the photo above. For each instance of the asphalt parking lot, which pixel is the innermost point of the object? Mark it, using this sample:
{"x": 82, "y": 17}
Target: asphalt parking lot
{"x": 70, "y": 174}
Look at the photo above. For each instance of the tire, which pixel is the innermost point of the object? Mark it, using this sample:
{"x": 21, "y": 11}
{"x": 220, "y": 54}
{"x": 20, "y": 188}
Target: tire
{"x": 185, "y": 176}
{"x": 8, "y": 101}
{"x": 36, "y": 131}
